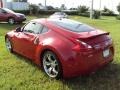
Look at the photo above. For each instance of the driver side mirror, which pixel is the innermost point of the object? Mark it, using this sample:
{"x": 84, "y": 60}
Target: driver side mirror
{"x": 18, "y": 29}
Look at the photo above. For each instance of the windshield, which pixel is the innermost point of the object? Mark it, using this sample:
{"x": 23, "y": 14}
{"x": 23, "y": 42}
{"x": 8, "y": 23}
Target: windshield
{"x": 8, "y": 10}
{"x": 72, "y": 25}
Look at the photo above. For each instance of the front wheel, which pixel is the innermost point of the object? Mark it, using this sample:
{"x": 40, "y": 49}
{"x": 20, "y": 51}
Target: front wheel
{"x": 51, "y": 65}
{"x": 11, "y": 20}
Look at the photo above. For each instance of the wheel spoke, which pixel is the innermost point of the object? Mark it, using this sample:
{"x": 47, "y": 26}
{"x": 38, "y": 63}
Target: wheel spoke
{"x": 55, "y": 63}
{"x": 54, "y": 71}
{"x": 47, "y": 63}
{"x": 51, "y": 65}
{"x": 49, "y": 58}
{"x": 50, "y": 70}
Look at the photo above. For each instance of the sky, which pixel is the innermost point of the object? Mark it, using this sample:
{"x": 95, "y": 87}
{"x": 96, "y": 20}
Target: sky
{"x": 111, "y": 4}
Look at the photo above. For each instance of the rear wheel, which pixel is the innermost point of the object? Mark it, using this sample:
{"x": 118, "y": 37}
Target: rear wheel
{"x": 20, "y": 22}
{"x": 51, "y": 65}
{"x": 8, "y": 45}
{"x": 11, "y": 20}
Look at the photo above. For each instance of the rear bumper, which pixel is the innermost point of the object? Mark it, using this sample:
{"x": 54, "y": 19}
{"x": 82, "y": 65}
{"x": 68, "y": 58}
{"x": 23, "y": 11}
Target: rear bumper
{"x": 83, "y": 64}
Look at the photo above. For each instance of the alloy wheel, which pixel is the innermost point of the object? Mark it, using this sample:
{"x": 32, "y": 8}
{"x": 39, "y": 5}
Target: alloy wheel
{"x": 11, "y": 21}
{"x": 51, "y": 65}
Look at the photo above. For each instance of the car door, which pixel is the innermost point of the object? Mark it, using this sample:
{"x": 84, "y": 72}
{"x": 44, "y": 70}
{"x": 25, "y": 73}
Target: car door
{"x": 26, "y": 39}
{"x": 3, "y": 16}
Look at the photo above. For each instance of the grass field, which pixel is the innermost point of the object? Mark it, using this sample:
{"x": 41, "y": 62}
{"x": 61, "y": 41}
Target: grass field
{"x": 16, "y": 72}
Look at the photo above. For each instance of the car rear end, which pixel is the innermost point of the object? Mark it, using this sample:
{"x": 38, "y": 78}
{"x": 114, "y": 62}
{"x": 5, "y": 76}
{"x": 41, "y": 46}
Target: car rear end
{"x": 90, "y": 54}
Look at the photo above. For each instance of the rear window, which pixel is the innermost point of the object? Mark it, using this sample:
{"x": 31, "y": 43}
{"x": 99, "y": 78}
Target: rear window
{"x": 73, "y": 25}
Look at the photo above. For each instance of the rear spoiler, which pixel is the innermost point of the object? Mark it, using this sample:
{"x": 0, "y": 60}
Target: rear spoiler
{"x": 107, "y": 33}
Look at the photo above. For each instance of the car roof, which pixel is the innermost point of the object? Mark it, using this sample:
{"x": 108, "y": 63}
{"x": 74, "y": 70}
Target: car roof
{"x": 50, "y": 20}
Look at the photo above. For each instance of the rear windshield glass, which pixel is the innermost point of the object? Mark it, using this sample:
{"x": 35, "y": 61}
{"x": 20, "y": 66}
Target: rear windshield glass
{"x": 73, "y": 25}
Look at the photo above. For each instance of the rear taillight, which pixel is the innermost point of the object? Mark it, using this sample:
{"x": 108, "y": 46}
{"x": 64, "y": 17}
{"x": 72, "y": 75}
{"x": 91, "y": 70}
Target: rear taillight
{"x": 82, "y": 46}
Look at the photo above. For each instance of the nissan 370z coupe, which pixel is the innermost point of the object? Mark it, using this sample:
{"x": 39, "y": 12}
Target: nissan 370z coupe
{"x": 62, "y": 47}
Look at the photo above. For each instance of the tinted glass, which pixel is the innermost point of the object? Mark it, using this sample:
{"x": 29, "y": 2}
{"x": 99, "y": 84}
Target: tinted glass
{"x": 45, "y": 29}
{"x": 8, "y": 10}
{"x": 0, "y": 11}
{"x": 33, "y": 28}
{"x": 72, "y": 25}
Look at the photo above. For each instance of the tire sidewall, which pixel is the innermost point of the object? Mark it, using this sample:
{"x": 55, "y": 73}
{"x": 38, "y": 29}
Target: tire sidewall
{"x": 59, "y": 64}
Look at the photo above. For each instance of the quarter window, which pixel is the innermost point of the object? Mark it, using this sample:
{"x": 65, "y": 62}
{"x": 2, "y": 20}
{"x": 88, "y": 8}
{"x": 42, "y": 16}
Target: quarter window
{"x": 45, "y": 29}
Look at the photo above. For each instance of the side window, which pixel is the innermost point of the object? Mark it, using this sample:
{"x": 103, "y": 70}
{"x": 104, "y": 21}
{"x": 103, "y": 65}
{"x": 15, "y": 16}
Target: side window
{"x": 29, "y": 28}
{"x": 0, "y": 10}
{"x": 33, "y": 27}
{"x": 45, "y": 29}
{"x": 37, "y": 28}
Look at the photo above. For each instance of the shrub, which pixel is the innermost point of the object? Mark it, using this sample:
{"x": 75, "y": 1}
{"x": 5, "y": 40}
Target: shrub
{"x": 82, "y": 9}
{"x": 118, "y": 8}
{"x": 107, "y": 12}
{"x": 34, "y": 9}
{"x": 47, "y": 12}
{"x": 87, "y": 14}
{"x": 96, "y": 14}
{"x": 110, "y": 13}
{"x": 118, "y": 17}
{"x": 72, "y": 12}
{"x": 26, "y": 12}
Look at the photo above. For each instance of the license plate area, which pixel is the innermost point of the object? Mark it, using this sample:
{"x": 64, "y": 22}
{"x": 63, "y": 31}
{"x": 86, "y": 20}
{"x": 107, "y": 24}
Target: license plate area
{"x": 106, "y": 53}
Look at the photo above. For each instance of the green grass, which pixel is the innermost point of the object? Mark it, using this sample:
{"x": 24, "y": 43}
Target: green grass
{"x": 17, "y": 72}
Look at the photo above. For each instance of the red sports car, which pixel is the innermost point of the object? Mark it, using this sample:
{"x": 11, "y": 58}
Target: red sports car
{"x": 62, "y": 47}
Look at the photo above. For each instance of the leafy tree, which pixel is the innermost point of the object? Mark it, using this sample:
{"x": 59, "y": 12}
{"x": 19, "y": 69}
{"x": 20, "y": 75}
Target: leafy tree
{"x": 83, "y": 9}
{"x": 63, "y": 7}
{"x": 50, "y": 8}
{"x": 118, "y": 8}
{"x": 107, "y": 12}
{"x": 105, "y": 9}
{"x": 34, "y": 9}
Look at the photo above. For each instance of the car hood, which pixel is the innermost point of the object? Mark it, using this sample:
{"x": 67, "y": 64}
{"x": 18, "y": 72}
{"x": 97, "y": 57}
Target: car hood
{"x": 20, "y": 14}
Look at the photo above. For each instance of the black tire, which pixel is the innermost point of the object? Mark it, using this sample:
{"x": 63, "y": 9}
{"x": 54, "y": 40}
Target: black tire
{"x": 8, "y": 45}
{"x": 20, "y": 22}
{"x": 50, "y": 66}
{"x": 11, "y": 20}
